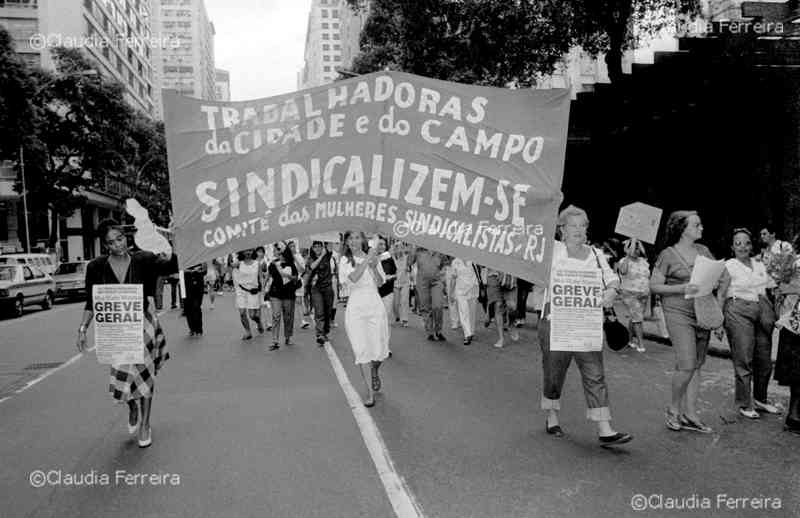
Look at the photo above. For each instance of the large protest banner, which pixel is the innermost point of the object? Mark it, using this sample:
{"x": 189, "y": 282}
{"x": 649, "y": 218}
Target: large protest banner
{"x": 471, "y": 171}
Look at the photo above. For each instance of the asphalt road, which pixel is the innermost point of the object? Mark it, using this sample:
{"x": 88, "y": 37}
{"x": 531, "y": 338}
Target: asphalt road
{"x": 254, "y": 433}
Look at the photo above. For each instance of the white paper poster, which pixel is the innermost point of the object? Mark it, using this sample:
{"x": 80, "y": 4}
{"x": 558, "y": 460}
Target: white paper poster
{"x": 639, "y": 220}
{"x": 576, "y": 304}
{"x": 118, "y": 323}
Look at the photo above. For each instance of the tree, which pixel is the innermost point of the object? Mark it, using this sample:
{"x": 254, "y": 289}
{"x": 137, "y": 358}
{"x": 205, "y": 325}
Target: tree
{"x": 16, "y": 84}
{"x": 504, "y": 42}
{"x": 489, "y": 42}
{"x": 148, "y": 168}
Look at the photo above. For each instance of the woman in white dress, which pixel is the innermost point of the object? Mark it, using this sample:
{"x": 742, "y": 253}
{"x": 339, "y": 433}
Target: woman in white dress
{"x": 365, "y": 317}
{"x": 248, "y": 287}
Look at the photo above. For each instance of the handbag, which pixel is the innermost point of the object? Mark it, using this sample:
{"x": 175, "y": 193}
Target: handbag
{"x": 706, "y": 308}
{"x": 617, "y": 335}
{"x": 251, "y": 291}
{"x": 661, "y": 320}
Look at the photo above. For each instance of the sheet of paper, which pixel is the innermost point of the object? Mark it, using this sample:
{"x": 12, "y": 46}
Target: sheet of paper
{"x": 705, "y": 275}
{"x": 118, "y": 323}
{"x": 576, "y": 318}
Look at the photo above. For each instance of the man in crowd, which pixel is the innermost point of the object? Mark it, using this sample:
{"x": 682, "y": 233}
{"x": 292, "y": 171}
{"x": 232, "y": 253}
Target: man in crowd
{"x": 430, "y": 290}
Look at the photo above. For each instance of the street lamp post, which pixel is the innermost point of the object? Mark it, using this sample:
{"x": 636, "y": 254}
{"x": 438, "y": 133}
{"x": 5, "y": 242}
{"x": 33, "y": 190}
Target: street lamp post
{"x": 36, "y": 93}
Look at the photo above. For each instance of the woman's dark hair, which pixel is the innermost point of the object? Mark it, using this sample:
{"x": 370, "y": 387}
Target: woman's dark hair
{"x": 261, "y": 248}
{"x": 347, "y": 252}
{"x": 311, "y": 253}
{"x": 287, "y": 254}
{"x": 105, "y": 226}
{"x": 385, "y": 241}
{"x": 741, "y": 230}
{"x": 676, "y": 224}
{"x": 240, "y": 256}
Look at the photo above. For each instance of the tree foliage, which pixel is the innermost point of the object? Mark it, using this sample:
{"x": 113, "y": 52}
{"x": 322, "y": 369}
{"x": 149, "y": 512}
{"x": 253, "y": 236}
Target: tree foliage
{"x": 503, "y": 42}
{"x": 77, "y": 131}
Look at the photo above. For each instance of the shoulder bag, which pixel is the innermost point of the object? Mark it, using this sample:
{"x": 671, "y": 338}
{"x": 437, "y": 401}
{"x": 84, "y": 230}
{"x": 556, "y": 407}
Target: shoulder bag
{"x": 617, "y": 335}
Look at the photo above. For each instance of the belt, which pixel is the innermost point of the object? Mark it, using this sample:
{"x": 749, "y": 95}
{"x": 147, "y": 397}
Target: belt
{"x": 744, "y": 299}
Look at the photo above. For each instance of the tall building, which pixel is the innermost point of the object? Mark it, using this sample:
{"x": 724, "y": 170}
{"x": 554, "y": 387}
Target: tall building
{"x": 114, "y": 33}
{"x": 352, "y": 23}
{"x": 223, "y": 85}
{"x": 323, "y": 52}
{"x": 117, "y": 36}
{"x": 187, "y": 66}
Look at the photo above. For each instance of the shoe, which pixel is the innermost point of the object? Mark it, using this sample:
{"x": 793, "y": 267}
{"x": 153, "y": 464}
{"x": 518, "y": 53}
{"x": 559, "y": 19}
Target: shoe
{"x": 274, "y": 347}
{"x": 553, "y": 430}
{"x": 617, "y": 438}
{"x": 499, "y": 345}
{"x": 487, "y": 323}
{"x": 519, "y": 323}
{"x": 468, "y": 340}
{"x": 766, "y": 407}
{"x": 370, "y": 402}
{"x": 440, "y": 337}
{"x": 320, "y": 341}
{"x": 305, "y": 325}
{"x": 792, "y": 425}
{"x": 211, "y": 306}
{"x": 405, "y": 323}
{"x": 334, "y": 325}
{"x": 453, "y": 328}
{"x": 248, "y": 336}
{"x": 328, "y": 343}
{"x": 673, "y": 421}
{"x": 641, "y": 349}
{"x": 514, "y": 335}
{"x": 749, "y": 413}
{"x": 289, "y": 342}
{"x": 397, "y": 319}
{"x": 695, "y": 426}
{"x": 390, "y": 354}
{"x": 269, "y": 328}
{"x": 148, "y": 439}
{"x": 261, "y": 330}
{"x": 431, "y": 338}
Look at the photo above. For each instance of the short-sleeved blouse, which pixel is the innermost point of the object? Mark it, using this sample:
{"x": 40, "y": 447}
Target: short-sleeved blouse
{"x": 145, "y": 268}
{"x": 675, "y": 272}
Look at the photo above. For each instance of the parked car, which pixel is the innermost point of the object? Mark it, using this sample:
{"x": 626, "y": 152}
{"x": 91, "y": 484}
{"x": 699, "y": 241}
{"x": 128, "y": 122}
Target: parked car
{"x": 43, "y": 262}
{"x": 71, "y": 279}
{"x": 22, "y": 286}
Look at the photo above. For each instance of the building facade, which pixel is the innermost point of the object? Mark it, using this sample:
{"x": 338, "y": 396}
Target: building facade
{"x": 223, "y": 85}
{"x": 323, "y": 50}
{"x": 187, "y": 66}
{"x": 117, "y": 35}
{"x": 352, "y": 23}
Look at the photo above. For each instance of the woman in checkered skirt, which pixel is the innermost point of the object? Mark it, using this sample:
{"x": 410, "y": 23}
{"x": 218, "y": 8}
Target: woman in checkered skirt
{"x": 132, "y": 384}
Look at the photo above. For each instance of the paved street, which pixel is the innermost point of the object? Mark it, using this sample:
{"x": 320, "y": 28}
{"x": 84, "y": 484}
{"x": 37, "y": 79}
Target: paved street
{"x": 252, "y": 433}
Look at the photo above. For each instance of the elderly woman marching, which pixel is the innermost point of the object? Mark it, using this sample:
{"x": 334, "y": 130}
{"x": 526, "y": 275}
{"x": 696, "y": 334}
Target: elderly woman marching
{"x": 131, "y": 383}
{"x": 572, "y": 257}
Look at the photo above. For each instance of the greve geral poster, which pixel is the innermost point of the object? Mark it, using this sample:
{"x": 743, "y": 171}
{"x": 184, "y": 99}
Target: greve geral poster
{"x": 471, "y": 171}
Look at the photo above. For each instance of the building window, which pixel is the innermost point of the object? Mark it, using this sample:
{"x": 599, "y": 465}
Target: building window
{"x": 336, "y": 46}
{"x": 336, "y": 36}
{"x": 326, "y": 46}
{"x": 337, "y": 58}
{"x": 335, "y": 25}
{"x": 326, "y": 68}
{"x": 326, "y": 58}
{"x": 325, "y": 36}
{"x": 324, "y": 13}
{"x": 335, "y": 13}
{"x": 326, "y": 26}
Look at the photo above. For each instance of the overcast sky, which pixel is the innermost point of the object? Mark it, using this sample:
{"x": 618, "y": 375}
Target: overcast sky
{"x": 261, "y": 43}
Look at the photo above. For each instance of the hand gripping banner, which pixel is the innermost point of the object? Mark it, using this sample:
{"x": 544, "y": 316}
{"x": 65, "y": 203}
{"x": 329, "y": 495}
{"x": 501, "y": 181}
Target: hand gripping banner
{"x": 471, "y": 171}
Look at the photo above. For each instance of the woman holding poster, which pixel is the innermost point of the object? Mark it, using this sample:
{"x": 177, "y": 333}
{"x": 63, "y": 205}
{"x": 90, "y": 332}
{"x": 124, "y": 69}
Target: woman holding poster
{"x": 581, "y": 285}
{"x": 670, "y": 279}
{"x": 130, "y": 383}
{"x": 365, "y": 317}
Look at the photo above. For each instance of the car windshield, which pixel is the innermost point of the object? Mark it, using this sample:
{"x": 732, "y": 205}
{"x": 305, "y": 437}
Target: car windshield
{"x": 7, "y": 273}
{"x": 68, "y": 268}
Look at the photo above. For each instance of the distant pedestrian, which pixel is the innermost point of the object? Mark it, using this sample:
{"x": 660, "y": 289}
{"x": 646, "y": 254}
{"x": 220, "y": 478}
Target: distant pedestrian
{"x": 300, "y": 294}
{"x": 285, "y": 279}
{"x": 430, "y": 290}
{"x": 246, "y": 282}
{"x": 402, "y": 285}
{"x": 211, "y": 282}
{"x": 524, "y": 289}
{"x": 448, "y": 276}
{"x": 749, "y": 321}
{"x": 501, "y": 291}
{"x": 194, "y": 280}
{"x": 131, "y": 383}
{"x": 365, "y": 317}
{"x": 263, "y": 277}
{"x": 413, "y": 300}
{"x": 787, "y": 365}
{"x": 634, "y": 272}
{"x": 322, "y": 270}
{"x": 464, "y": 292}
{"x": 670, "y": 279}
{"x": 386, "y": 290}
{"x": 771, "y": 245}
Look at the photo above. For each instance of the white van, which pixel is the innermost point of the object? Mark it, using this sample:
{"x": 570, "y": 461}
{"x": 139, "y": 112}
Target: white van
{"x": 43, "y": 262}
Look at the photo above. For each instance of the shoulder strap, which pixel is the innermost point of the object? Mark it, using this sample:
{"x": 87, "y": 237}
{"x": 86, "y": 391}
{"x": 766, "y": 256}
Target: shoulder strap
{"x": 599, "y": 266}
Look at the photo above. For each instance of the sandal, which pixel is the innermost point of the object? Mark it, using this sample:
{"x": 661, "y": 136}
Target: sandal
{"x": 695, "y": 426}
{"x": 673, "y": 421}
{"x": 553, "y": 430}
{"x": 617, "y": 438}
{"x": 370, "y": 402}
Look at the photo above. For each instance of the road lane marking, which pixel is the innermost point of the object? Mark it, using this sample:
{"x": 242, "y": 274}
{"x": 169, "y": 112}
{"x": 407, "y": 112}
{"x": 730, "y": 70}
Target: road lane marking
{"x": 46, "y": 373}
{"x": 400, "y": 496}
